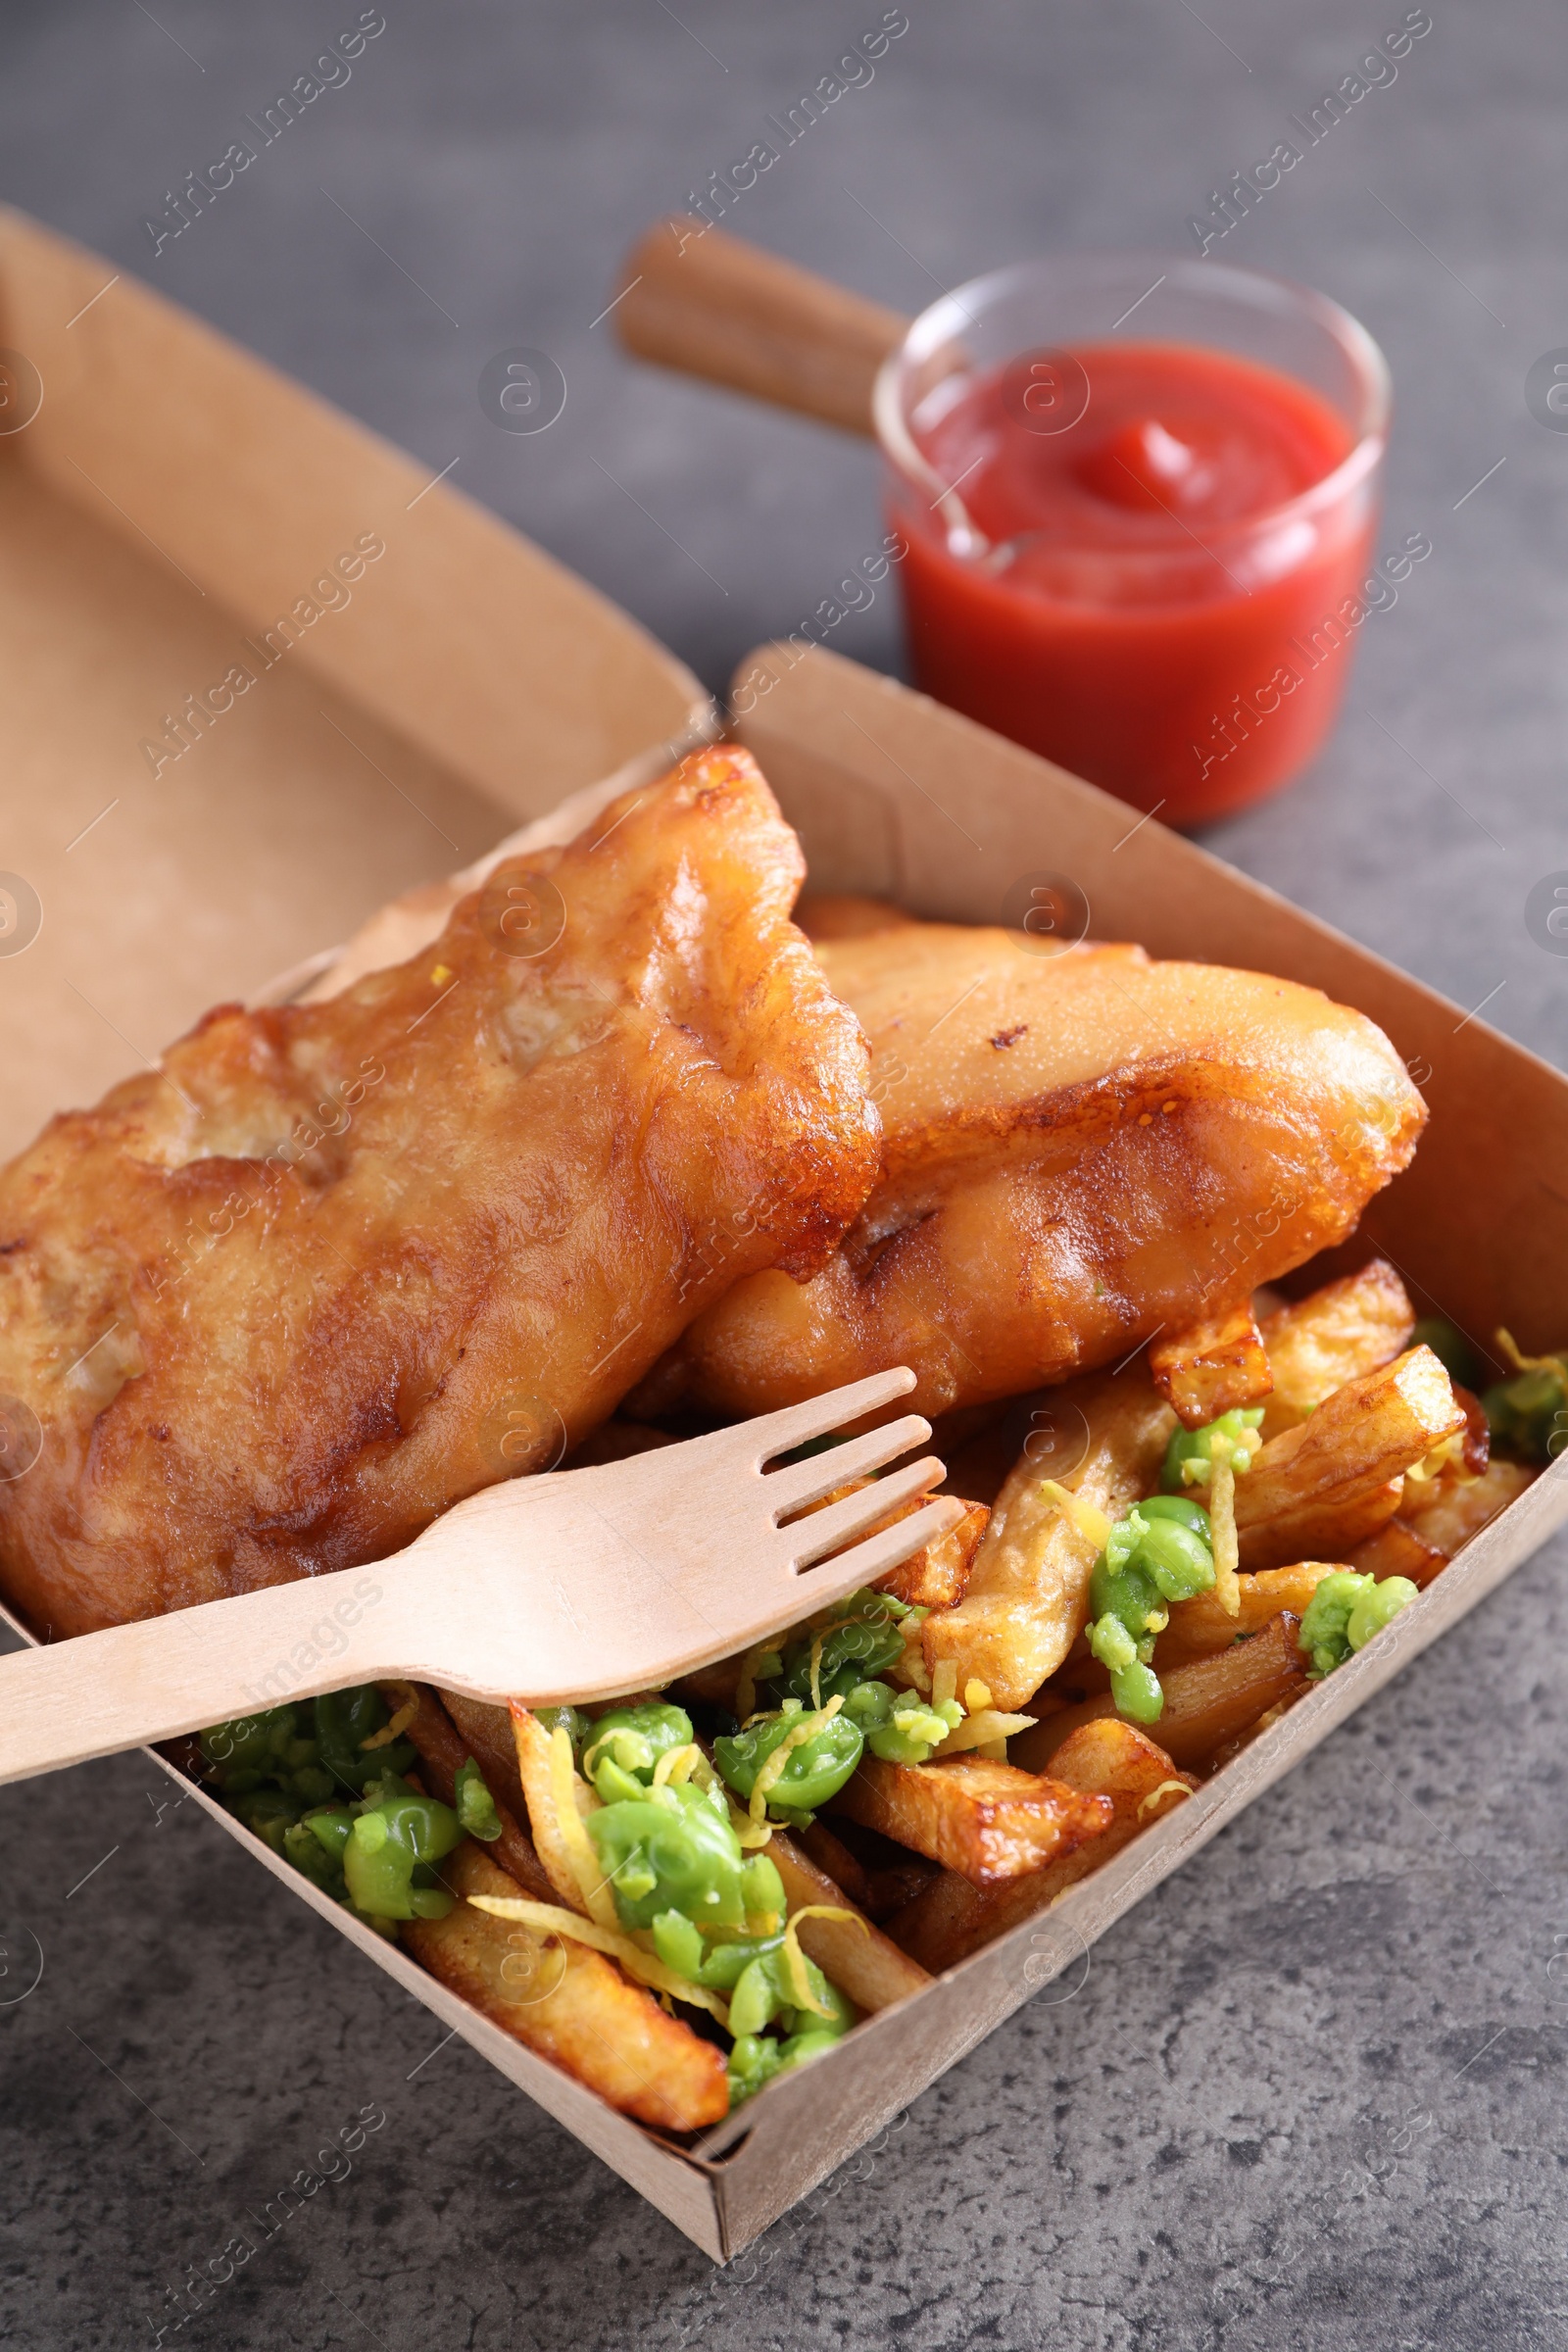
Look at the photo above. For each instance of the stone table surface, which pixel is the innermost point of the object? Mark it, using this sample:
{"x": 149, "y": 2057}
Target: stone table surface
{"x": 1310, "y": 2093}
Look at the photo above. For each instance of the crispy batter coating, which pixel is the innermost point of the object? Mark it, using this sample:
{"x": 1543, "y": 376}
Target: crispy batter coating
{"x": 336, "y": 1267}
{"x": 1081, "y": 1148}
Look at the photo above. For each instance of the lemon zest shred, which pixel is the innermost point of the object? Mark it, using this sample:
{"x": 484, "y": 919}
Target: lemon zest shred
{"x": 772, "y": 1772}
{"x": 552, "y": 1919}
{"x": 752, "y": 1835}
{"x": 592, "y": 1885}
{"x": 944, "y": 1680}
{"x": 399, "y": 1721}
{"x": 793, "y": 1959}
{"x": 979, "y": 1730}
{"x": 1091, "y": 1523}
{"x": 1165, "y": 1789}
{"x": 1222, "y": 1522}
{"x": 394, "y": 1730}
{"x": 1527, "y": 1363}
{"x": 976, "y": 1696}
{"x": 678, "y": 1764}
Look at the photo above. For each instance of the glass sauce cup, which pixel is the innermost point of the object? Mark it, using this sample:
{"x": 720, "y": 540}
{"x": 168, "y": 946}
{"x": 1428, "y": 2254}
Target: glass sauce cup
{"x": 1193, "y": 669}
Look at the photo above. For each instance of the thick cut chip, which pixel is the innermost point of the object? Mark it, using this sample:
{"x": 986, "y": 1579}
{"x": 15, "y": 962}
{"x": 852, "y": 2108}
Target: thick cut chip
{"x": 1027, "y": 1597}
{"x": 1201, "y": 1629}
{"x": 952, "y": 1917}
{"x": 571, "y": 2004}
{"x": 1342, "y": 1331}
{"x": 1319, "y": 1489}
{"x": 1396, "y": 1551}
{"x": 1083, "y": 1149}
{"x": 987, "y": 1821}
{"x": 280, "y": 1303}
{"x": 1438, "y": 1518}
{"x": 1211, "y": 1369}
{"x": 1206, "y": 1702}
{"x": 1450, "y": 1511}
{"x": 936, "y": 1576}
{"x": 856, "y": 1955}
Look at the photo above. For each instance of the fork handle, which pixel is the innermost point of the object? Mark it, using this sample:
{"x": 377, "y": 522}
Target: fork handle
{"x": 64, "y": 1701}
{"x": 712, "y": 305}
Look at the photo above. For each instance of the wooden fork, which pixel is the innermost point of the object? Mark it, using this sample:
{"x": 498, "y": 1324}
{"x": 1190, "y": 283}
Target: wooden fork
{"x": 573, "y": 1585}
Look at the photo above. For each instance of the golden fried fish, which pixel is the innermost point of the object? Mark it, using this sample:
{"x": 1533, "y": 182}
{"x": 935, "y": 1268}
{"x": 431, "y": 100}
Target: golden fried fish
{"x": 269, "y": 1310}
{"x": 1082, "y": 1148}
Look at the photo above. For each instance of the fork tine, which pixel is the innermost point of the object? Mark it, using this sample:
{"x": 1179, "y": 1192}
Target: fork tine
{"x": 779, "y": 1433}
{"x": 841, "y": 1522}
{"x": 864, "y": 1562}
{"x": 808, "y": 1482}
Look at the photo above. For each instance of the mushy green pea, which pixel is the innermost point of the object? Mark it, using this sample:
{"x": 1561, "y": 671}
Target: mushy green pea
{"x": 815, "y": 1768}
{"x": 1160, "y": 1553}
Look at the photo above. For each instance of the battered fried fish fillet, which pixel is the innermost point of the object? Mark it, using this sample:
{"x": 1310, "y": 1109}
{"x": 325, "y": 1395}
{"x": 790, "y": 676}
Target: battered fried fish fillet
{"x": 338, "y": 1265}
{"x": 1081, "y": 1148}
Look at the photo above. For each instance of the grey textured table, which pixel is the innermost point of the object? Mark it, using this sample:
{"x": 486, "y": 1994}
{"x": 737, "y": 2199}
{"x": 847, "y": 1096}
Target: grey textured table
{"x": 1309, "y": 2093}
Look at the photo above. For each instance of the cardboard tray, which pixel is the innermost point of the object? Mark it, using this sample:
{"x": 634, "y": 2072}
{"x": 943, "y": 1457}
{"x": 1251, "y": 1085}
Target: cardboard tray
{"x": 170, "y": 499}
{"x": 165, "y": 517}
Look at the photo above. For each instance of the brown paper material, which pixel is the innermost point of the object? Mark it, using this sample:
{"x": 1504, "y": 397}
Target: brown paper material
{"x": 170, "y": 505}
{"x": 469, "y": 681}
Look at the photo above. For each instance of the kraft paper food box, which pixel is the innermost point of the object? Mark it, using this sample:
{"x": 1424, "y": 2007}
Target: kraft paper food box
{"x": 187, "y": 530}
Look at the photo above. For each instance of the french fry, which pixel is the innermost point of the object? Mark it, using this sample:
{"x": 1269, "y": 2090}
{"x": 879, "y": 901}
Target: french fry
{"x": 1448, "y": 1512}
{"x": 443, "y": 1752}
{"x": 1340, "y": 1333}
{"x": 571, "y": 2004}
{"x": 889, "y": 1890}
{"x": 935, "y": 1578}
{"x": 1336, "y": 1526}
{"x": 1028, "y": 1591}
{"x": 1206, "y": 1702}
{"x": 859, "y": 1959}
{"x": 988, "y": 1821}
{"x": 1314, "y": 1491}
{"x": 1229, "y": 1749}
{"x": 876, "y": 1888}
{"x": 1211, "y": 1367}
{"x": 1438, "y": 1516}
{"x": 831, "y": 1855}
{"x": 1477, "y": 1431}
{"x": 1396, "y": 1551}
{"x": 1201, "y": 1629}
{"x": 1108, "y": 1758}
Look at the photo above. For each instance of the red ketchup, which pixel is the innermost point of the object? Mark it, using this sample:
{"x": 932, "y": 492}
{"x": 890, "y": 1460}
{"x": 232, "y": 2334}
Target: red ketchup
{"x": 1148, "y": 593}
